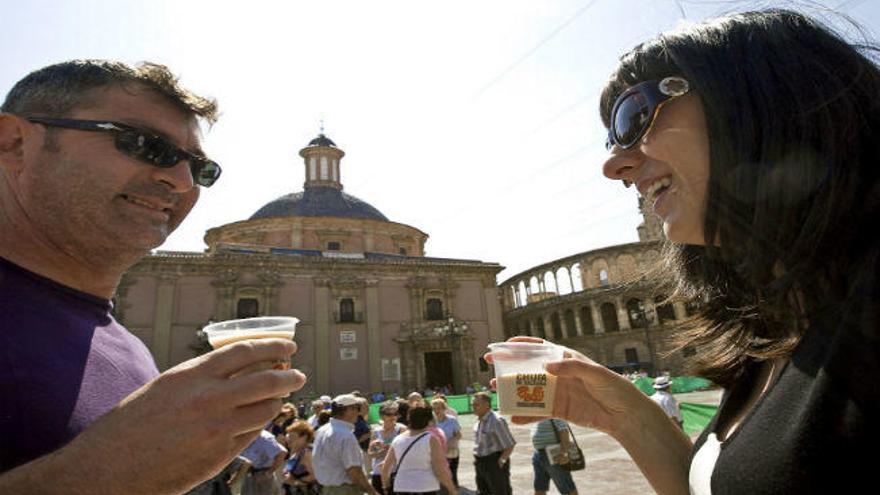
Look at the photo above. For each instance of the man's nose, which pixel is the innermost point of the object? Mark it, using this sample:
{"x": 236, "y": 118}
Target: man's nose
{"x": 178, "y": 178}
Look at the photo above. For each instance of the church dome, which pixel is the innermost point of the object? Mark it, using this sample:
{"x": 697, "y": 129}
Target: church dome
{"x": 319, "y": 202}
{"x": 322, "y": 140}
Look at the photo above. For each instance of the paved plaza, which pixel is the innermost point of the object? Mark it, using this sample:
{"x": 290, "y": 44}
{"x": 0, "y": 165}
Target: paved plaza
{"x": 609, "y": 469}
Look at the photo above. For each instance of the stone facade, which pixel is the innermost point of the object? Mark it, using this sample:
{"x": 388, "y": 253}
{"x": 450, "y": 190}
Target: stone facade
{"x": 375, "y": 313}
{"x": 606, "y": 303}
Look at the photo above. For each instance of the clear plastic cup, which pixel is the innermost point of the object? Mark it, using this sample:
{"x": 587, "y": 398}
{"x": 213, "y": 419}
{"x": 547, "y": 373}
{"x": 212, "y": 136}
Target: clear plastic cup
{"x": 524, "y": 386}
{"x": 262, "y": 327}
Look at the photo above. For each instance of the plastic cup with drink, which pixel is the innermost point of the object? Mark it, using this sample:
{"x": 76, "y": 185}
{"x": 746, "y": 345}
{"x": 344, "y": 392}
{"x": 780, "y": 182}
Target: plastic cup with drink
{"x": 524, "y": 386}
{"x": 263, "y": 327}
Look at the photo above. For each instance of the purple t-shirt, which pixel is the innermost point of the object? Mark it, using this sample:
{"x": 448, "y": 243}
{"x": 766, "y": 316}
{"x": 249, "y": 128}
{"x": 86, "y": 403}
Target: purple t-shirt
{"x": 64, "y": 361}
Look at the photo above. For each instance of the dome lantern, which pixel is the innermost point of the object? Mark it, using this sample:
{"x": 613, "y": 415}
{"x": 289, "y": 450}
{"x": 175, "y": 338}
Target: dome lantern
{"x": 321, "y": 158}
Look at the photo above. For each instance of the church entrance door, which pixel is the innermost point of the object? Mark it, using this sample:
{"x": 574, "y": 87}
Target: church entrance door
{"x": 438, "y": 369}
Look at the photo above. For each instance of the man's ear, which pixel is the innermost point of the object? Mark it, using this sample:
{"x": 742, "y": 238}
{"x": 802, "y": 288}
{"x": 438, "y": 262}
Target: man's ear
{"x": 12, "y": 134}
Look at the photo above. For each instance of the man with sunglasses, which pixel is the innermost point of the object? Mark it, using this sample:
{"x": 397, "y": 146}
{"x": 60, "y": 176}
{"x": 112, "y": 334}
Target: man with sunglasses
{"x": 99, "y": 163}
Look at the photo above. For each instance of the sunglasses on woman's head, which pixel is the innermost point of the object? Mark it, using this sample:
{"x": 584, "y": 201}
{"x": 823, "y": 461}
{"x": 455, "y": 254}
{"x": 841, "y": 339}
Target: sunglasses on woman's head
{"x": 635, "y": 109}
{"x": 143, "y": 145}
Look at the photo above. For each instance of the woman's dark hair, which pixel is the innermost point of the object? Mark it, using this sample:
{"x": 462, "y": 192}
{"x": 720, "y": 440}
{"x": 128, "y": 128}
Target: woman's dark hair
{"x": 420, "y": 417}
{"x": 403, "y": 411}
{"x": 793, "y": 119}
{"x": 323, "y": 418}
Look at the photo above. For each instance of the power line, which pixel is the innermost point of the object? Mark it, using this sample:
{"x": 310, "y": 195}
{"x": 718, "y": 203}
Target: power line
{"x": 534, "y": 49}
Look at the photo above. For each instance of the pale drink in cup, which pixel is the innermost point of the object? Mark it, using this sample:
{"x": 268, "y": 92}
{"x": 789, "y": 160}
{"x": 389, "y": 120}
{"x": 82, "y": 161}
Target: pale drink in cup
{"x": 524, "y": 386}
{"x": 262, "y": 327}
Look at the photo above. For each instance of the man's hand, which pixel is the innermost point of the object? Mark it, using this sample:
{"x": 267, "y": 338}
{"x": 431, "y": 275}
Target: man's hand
{"x": 174, "y": 432}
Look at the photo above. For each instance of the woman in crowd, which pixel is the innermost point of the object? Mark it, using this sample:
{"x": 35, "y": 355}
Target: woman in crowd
{"x": 754, "y": 138}
{"x": 299, "y": 475}
{"x": 403, "y": 411}
{"x": 383, "y": 434}
{"x": 448, "y": 424}
{"x": 416, "y": 458}
{"x": 362, "y": 430}
{"x": 285, "y": 418}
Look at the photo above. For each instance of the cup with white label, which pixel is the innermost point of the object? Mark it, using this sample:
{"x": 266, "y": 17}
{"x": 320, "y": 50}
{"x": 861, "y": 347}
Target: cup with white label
{"x": 263, "y": 327}
{"x": 524, "y": 386}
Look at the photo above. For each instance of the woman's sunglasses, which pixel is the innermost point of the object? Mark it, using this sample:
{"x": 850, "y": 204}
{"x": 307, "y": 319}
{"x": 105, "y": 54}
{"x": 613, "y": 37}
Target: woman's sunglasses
{"x": 144, "y": 146}
{"x": 636, "y": 108}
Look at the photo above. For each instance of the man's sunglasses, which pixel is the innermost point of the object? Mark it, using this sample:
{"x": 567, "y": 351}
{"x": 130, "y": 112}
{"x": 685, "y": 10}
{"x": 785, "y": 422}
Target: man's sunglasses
{"x": 144, "y": 146}
{"x": 636, "y": 108}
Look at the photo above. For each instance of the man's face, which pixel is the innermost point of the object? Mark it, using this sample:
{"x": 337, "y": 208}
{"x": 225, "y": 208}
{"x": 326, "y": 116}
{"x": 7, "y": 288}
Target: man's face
{"x": 479, "y": 406}
{"x": 90, "y": 198}
{"x": 351, "y": 413}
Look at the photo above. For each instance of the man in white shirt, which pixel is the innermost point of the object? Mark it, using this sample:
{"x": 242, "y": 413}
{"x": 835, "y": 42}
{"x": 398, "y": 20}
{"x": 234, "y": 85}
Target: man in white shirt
{"x": 317, "y": 407}
{"x": 337, "y": 457}
{"x": 666, "y": 401}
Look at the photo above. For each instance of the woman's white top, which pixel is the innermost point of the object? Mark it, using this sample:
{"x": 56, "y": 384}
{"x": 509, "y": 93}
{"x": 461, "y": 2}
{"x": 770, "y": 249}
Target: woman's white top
{"x": 415, "y": 473}
{"x": 702, "y": 466}
{"x": 379, "y": 435}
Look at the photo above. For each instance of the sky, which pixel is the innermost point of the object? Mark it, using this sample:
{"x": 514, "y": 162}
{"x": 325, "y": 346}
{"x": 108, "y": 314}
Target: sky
{"x": 474, "y": 121}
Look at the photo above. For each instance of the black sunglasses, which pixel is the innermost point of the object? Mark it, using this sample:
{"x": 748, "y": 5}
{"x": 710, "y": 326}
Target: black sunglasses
{"x": 144, "y": 146}
{"x": 635, "y": 109}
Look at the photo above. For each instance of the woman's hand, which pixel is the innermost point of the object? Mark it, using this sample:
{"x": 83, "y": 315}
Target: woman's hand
{"x": 589, "y": 394}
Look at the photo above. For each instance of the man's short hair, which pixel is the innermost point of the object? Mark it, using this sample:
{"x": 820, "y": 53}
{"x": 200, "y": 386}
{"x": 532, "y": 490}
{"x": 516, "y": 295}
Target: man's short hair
{"x": 57, "y": 90}
{"x": 484, "y": 397}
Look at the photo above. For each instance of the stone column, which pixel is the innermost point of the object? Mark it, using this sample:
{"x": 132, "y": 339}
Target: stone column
{"x": 597, "y": 317}
{"x": 493, "y": 310}
{"x": 161, "y": 345}
{"x": 570, "y": 280}
{"x": 651, "y": 316}
{"x": 121, "y": 304}
{"x": 622, "y": 317}
{"x": 680, "y": 311}
{"x": 563, "y": 324}
{"x": 577, "y": 322}
{"x": 271, "y": 279}
{"x": 374, "y": 335}
{"x": 322, "y": 336}
{"x": 296, "y": 235}
{"x": 369, "y": 242}
{"x": 548, "y": 327}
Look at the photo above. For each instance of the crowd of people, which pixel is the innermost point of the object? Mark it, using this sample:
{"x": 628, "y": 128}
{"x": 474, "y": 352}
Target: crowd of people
{"x": 413, "y": 448}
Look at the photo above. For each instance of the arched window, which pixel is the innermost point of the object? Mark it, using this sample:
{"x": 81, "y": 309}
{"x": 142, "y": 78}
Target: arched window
{"x": 333, "y": 246}
{"x": 587, "y": 321}
{"x": 609, "y": 317}
{"x": 603, "y": 277}
{"x": 556, "y": 326}
{"x": 565, "y": 281}
{"x": 534, "y": 285}
{"x": 665, "y": 311}
{"x": 550, "y": 283}
{"x": 529, "y": 328}
{"x": 632, "y": 355}
{"x": 247, "y": 307}
{"x": 434, "y": 309}
{"x": 636, "y": 312}
{"x": 570, "y": 324}
{"x": 402, "y": 251}
{"x": 346, "y": 310}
